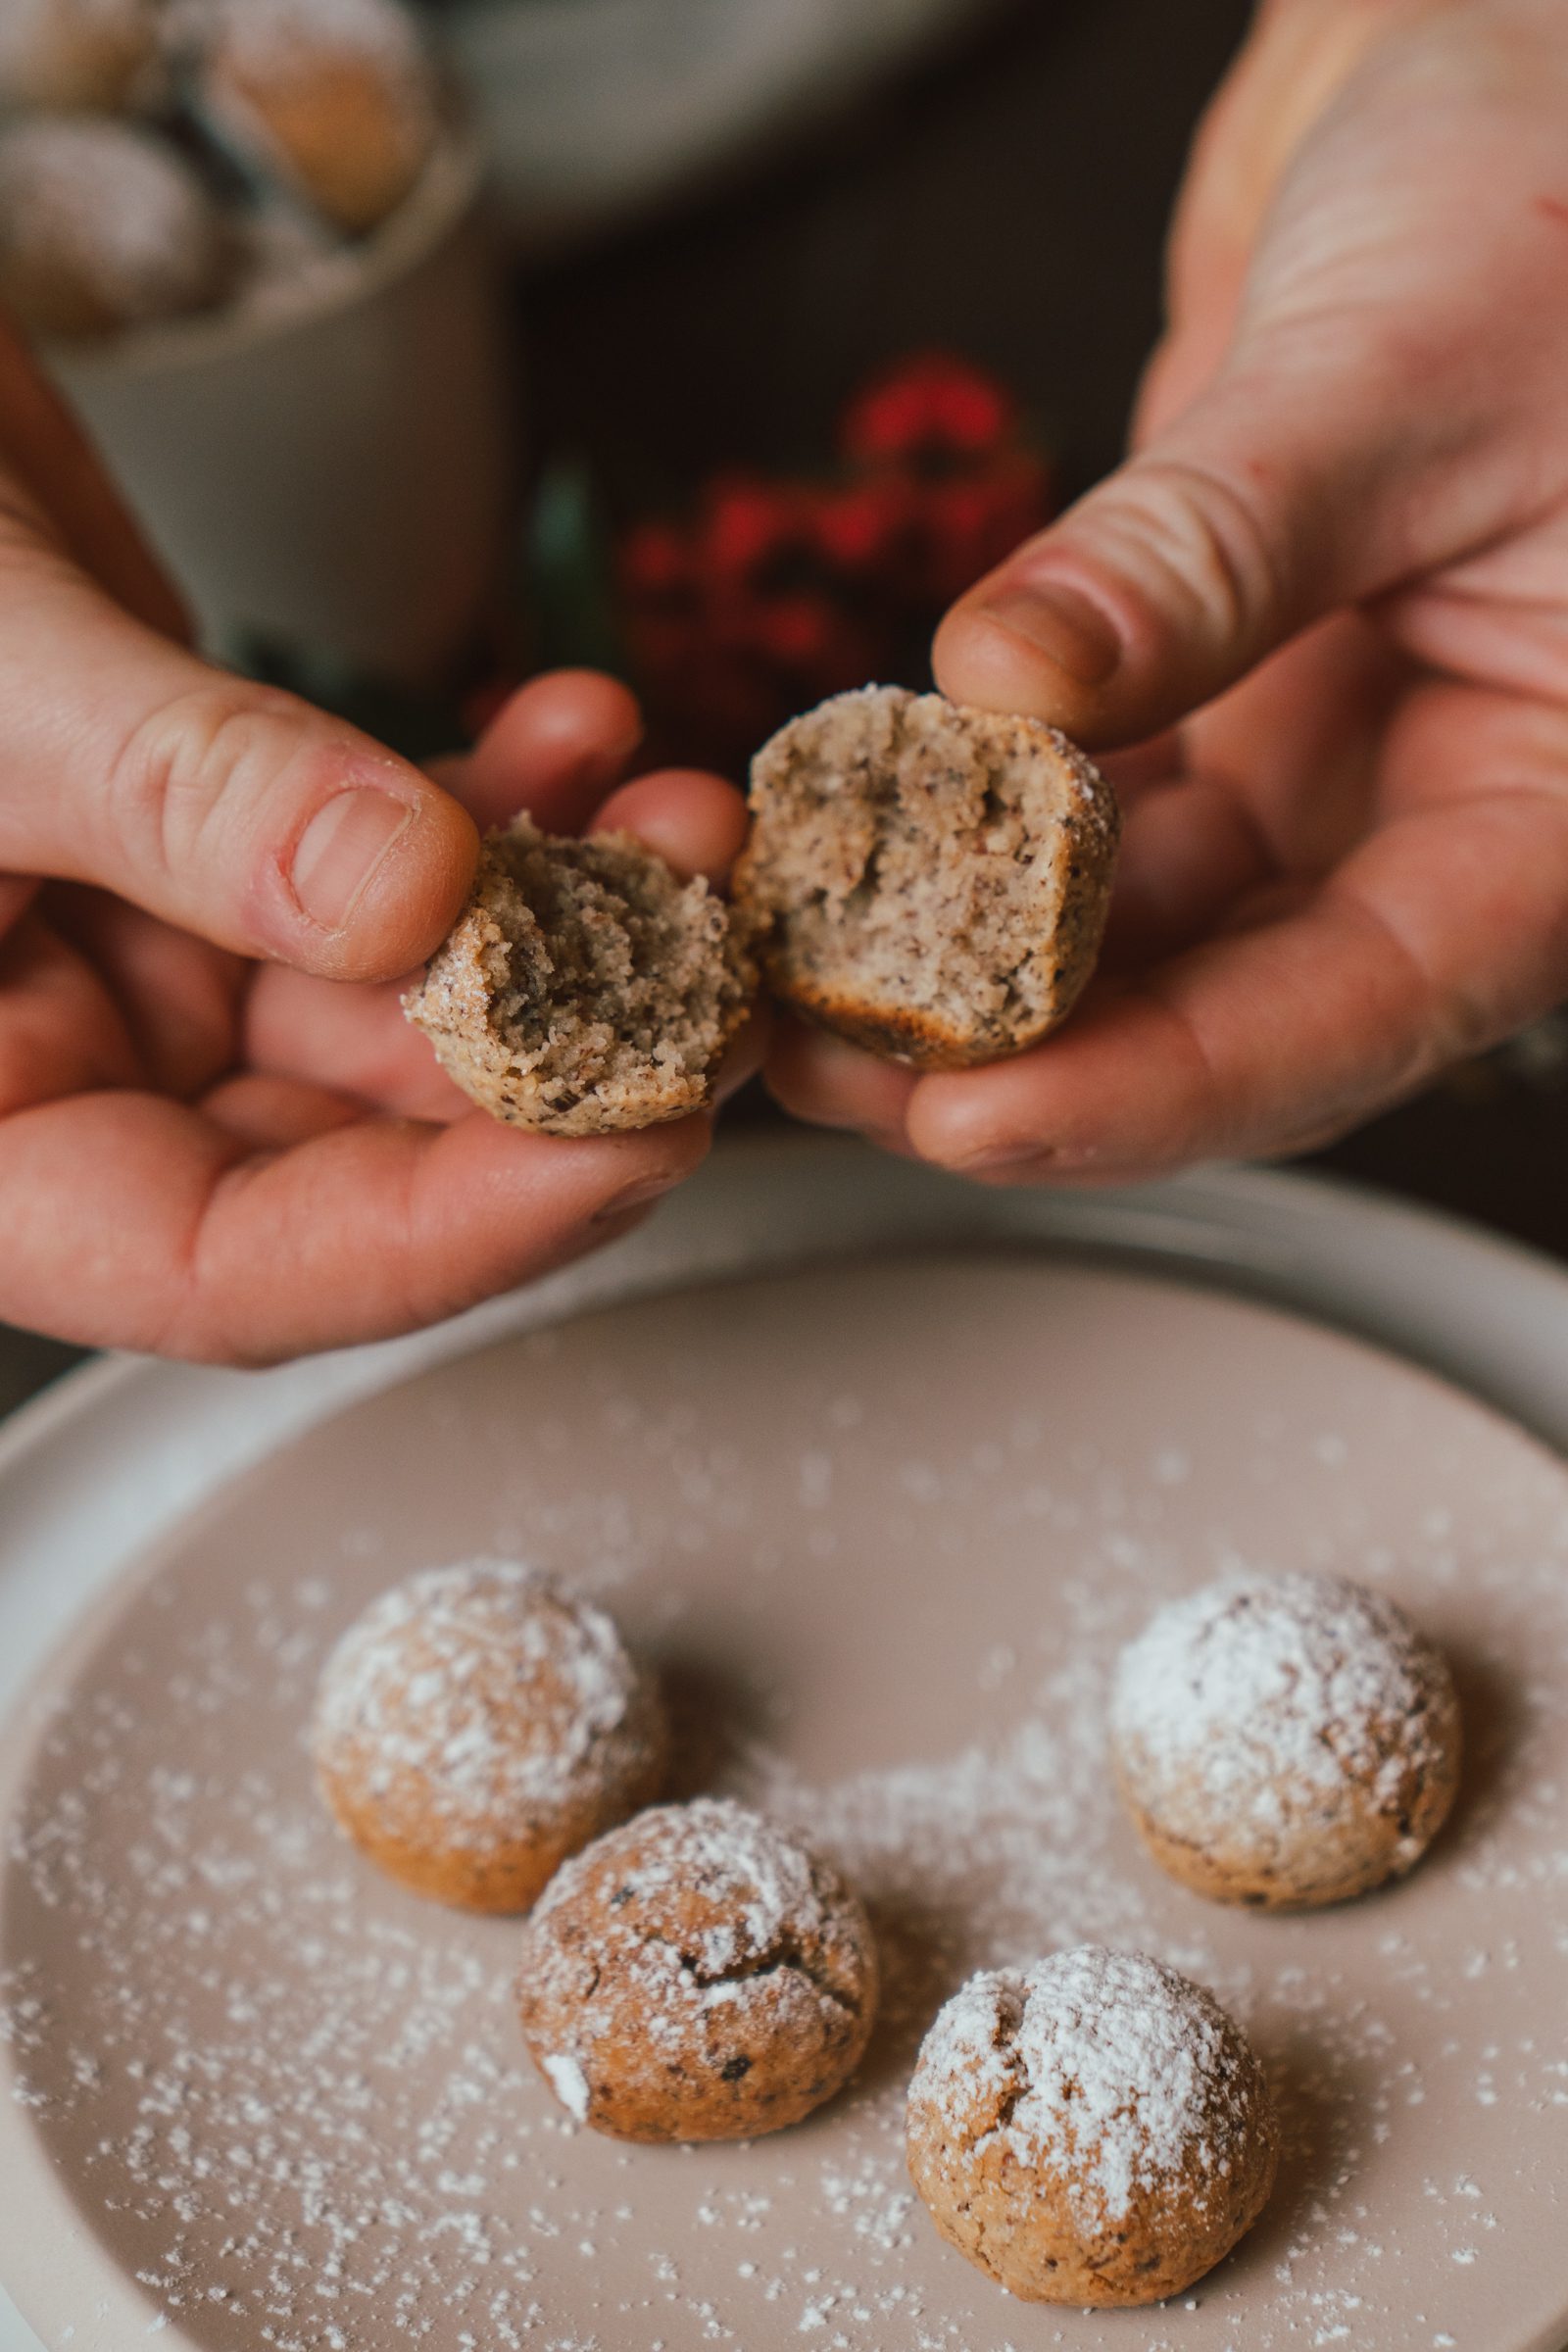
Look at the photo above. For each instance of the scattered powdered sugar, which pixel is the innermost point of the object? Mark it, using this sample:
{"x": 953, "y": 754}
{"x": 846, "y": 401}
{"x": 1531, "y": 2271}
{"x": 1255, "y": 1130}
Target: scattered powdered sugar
{"x": 568, "y": 2082}
{"x": 1117, "y": 2071}
{"x": 1259, "y": 1687}
{"x": 482, "y": 1683}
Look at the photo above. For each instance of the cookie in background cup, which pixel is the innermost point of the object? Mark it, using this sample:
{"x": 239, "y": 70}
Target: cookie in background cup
{"x": 70, "y": 54}
{"x": 104, "y": 227}
{"x": 339, "y": 97}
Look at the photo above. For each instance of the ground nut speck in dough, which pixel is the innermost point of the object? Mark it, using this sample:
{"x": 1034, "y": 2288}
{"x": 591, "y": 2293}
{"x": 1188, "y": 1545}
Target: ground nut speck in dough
{"x": 1285, "y": 1741}
{"x": 475, "y": 1726}
{"x": 1094, "y": 2130}
{"x": 697, "y": 1975}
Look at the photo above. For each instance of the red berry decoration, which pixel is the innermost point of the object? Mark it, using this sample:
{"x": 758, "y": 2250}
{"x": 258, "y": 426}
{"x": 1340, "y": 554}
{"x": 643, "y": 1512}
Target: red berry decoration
{"x": 931, "y": 408}
{"x": 777, "y": 592}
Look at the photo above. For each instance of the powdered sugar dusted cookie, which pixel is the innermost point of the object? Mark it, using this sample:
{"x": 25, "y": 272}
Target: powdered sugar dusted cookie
{"x": 1285, "y": 1740}
{"x": 104, "y": 226}
{"x": 475, "y": 1726}
{"x": 697, "y": 1975}
{"x": 933, "y": 880}
{"x": 338, "y": 97}
{"x": 585, "y": 987}
{"x": 72, "y": 54}
{"x": 1094, "y": 2130}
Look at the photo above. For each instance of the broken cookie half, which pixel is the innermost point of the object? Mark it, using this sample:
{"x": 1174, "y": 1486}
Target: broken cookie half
{"x": 585, "y": 987}
{"x": 928, "y": 880}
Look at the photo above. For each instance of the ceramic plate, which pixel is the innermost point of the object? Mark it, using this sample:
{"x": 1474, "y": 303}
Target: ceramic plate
{"x": 883, "y": 1515}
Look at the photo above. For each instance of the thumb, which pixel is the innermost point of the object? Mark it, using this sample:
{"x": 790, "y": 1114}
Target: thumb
{"x": 1286, "y": 490}
{"x": 228, "y": 809}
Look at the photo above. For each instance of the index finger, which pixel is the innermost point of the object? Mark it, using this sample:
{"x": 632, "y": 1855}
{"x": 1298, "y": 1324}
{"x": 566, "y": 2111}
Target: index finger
{"x": 556, "y": 748}
{"x": 559, "y": 748}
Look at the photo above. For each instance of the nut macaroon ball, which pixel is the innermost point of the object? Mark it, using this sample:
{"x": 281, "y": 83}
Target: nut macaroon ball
{"x": 338, "y": 96}
{"x": 1095, "y": 2129}
{"x": 87, "y": 53}
{"x": 585, "y": 987}
{"x": 1285, "y": 1740}
{"x": 697, "y": 1975}
{"x": 475, "y": 1726}
{"x": 930, "y": 881}
{"x": 104, "y": 227}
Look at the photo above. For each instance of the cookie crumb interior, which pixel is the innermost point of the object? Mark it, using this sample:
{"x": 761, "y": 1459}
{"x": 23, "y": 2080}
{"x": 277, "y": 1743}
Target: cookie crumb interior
{"x": 586, "y": 987}
{"x": 917, "y": 861}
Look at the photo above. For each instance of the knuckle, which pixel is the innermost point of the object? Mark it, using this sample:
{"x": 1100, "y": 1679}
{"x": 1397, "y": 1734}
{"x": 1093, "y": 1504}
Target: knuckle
{"x": 190, "y": 776}
{"x": 1190, "y": 536}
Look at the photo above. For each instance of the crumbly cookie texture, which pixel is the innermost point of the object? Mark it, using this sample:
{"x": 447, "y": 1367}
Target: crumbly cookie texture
{"x": 1095, "y": 2129}
{"x": 585, "y": 988}
{"x": 475, "y": 1726}
{"x": 1285, "y": 1741}
{"x": 697, "y": 1975}
{"x": 931, "y": 880}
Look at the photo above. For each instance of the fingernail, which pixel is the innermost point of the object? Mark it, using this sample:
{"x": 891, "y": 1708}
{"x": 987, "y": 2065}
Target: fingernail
{"x": 1004, "y": 1159}
{"x": 636, "y": 1196}
{"x": 1063, "y": 625}
{"x": 340, "y": 850}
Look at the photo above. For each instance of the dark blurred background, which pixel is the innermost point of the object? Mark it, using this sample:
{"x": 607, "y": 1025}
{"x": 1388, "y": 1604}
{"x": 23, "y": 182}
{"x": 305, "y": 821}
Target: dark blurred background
{"x": 1006, "y": 198}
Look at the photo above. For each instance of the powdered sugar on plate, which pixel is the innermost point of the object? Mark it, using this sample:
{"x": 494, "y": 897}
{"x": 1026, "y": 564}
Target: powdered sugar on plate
{"x": 292, "y": 2102}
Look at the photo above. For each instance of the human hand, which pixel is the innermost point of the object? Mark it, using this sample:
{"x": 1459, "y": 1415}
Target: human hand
{"x": 219, "y": 1138}
{"x": 1342, "y": 543}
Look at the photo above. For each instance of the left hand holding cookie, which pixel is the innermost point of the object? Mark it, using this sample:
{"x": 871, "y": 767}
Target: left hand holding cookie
{"x": 219, "y": 1138}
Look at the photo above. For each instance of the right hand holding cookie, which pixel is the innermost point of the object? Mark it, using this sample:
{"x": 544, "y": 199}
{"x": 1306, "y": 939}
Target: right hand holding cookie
{"x": 210, "y": 1145}
{"x": 1337, "y": 565}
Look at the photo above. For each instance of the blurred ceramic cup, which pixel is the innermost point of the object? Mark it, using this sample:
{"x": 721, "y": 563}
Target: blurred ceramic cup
{"x": 328, "y": 465}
